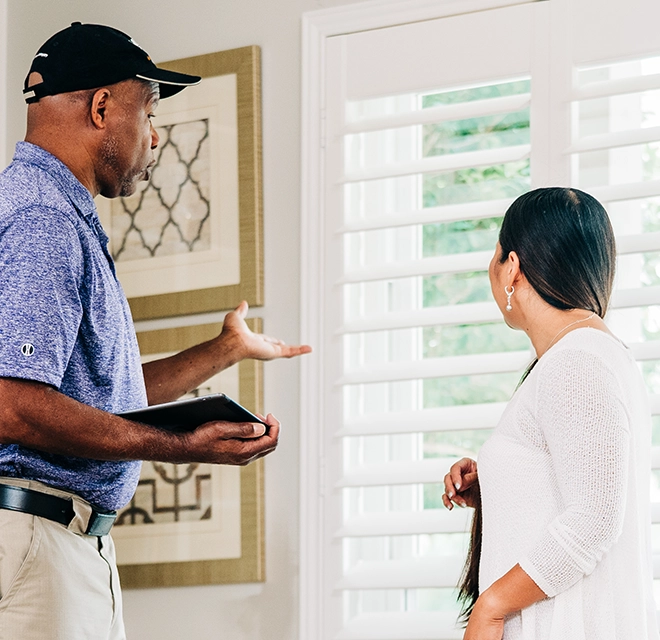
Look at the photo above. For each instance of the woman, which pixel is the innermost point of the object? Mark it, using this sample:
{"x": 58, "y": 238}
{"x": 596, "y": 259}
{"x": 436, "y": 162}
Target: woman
{"x": 564, "y": 479}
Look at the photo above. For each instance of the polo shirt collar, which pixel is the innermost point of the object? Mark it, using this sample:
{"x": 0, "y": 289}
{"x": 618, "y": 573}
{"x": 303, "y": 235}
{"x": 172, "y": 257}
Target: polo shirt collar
{"x": 80, "y": 197}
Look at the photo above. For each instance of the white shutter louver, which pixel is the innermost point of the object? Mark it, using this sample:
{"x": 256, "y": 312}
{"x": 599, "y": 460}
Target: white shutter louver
{"x": 615, "y": 155}
{"x": 423, "y": 363}
{"x": 429, "y": 131}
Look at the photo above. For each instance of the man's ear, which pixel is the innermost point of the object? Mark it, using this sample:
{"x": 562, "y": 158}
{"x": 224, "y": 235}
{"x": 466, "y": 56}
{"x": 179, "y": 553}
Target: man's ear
{"x": 98, "y": 108}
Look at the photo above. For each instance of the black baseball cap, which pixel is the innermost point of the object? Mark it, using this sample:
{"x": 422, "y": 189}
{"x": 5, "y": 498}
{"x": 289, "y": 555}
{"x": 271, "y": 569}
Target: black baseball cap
{"x": 88, "y": 56}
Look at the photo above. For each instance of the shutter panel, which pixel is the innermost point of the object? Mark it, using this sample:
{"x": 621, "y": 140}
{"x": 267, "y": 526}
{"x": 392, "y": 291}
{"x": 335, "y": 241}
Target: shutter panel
{"x": 615, "y": 155}
{"x": 419, "y": 362}
{"x": 430, "y": 130}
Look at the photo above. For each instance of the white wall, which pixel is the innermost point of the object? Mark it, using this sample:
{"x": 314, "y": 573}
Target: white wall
{"x": 171, "y": 29}
{"x": 3, "y": 85}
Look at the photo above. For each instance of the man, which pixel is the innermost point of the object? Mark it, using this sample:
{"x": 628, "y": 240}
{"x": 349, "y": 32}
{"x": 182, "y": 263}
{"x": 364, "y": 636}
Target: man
{"x": 69, "y": 358}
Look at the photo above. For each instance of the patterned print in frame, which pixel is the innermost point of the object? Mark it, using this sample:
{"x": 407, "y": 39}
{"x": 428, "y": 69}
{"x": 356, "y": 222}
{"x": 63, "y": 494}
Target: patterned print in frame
{"x": 193, "y": 549}
{"x": 169, "y": 493}
{"x": 170, "y": 214}
{"x": 191, "y": 240}
{"x": 201, "y": 500}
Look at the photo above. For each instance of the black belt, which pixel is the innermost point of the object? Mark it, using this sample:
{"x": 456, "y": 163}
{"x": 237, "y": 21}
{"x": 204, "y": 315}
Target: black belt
{"x": 53, "y": 508}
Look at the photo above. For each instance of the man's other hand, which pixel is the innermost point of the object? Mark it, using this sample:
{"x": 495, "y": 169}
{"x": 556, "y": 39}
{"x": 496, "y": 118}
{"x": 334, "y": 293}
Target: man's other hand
{"x": 233, "y": 443}
{"x": 255, "y": 345}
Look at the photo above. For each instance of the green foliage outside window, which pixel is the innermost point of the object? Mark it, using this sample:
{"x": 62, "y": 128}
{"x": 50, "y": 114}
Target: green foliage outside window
{"x": 486, "y": 183}
{"x": 461, "y": 96}
{"x": 468, "y": 185}
{"x": 459, "y": 340}
{"x": 650, "y": 275}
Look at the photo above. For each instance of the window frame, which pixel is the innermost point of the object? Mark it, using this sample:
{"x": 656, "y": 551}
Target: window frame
{"x": 318, "y": 27}
{"x": 3, "y": 85}
{"x": 553, "y": 168}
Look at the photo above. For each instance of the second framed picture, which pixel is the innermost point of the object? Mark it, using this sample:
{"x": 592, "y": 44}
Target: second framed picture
{"x": 190, "y": 240}
{"x": 193, "y": 524}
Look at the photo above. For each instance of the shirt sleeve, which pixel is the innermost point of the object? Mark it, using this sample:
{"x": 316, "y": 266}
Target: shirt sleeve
{"x": 41, "y": 269}
{"x": 587, "y": 432}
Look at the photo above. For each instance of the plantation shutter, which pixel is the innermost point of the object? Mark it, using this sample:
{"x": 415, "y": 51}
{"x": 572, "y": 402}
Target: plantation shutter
{"x": 429, "y": 130}
{"x": 605, "y": 111}
{"x": 615, "y": 155}
{"x": 421, "y": 163}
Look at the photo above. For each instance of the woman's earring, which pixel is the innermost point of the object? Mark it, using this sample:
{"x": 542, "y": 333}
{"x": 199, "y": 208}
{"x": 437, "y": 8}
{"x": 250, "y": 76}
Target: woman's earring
{"x": 508, "y": 297}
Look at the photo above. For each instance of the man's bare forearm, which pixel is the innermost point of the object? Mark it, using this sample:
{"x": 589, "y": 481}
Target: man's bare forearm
{"x": 37, "y": 416}
{"x": 170, "y": 378}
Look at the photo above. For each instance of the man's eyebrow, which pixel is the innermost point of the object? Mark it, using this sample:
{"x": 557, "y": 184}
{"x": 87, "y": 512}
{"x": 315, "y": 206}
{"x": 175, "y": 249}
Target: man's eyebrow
{"x": 153, "y": 100}
{"x": 154, "y": 91}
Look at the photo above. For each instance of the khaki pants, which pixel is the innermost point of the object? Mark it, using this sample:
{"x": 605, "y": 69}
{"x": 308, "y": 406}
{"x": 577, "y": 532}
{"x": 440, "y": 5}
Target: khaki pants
{"x": 55, "y": 582}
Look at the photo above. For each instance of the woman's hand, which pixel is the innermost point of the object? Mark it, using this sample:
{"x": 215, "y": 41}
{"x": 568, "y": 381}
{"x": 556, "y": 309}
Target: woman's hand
{"x": 461, "y": 485}
{"x": 485, "y": 622}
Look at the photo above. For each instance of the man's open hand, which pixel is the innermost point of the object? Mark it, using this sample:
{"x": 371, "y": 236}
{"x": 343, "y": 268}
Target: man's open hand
{"x": 255, "y": 345}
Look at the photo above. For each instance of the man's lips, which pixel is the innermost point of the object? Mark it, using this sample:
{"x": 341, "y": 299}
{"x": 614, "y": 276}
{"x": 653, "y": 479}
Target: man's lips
{"x": 147, "y": 171}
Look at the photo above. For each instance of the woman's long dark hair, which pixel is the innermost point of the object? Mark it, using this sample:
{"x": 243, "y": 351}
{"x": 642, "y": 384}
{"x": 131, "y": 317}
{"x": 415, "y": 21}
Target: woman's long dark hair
{"x": 566, "y": 248}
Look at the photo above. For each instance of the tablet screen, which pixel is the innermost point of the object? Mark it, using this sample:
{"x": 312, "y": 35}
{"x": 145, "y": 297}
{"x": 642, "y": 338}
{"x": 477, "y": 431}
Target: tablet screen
{"x": 186, "y": 415}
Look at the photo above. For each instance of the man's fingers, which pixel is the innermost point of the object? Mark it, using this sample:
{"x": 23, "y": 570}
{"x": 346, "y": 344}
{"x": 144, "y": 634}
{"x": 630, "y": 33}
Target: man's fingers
{"x": 263, "y": 453}
{"x": 242, "y": 309}
{"x": 236, "y": 430}
{"x": 289, "y": 351}
{"x": 273, "y": 427}
{"x": 267, "y": 444}
{"x": 234, "y": 443}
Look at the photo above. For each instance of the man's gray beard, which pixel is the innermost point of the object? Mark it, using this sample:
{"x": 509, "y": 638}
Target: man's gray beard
{"x": 109, "y": 156}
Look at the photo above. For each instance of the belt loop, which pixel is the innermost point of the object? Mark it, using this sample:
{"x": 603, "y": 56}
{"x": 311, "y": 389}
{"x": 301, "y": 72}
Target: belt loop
{"x": 90, "y": 521}
{"x": 82, "y": 515}
{"x": 100, "y": 523}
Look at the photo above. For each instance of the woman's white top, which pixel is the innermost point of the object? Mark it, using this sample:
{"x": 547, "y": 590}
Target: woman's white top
{"x": 565, "y": 483}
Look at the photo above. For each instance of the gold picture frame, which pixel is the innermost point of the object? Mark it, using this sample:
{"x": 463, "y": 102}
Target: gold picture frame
{"x": 203, "y": 252}
{"x": 249, "y": 567}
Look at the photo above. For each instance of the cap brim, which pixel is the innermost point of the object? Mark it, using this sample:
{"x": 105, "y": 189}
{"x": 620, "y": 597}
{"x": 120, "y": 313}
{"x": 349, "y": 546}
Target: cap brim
{"x": 170, "y": 82}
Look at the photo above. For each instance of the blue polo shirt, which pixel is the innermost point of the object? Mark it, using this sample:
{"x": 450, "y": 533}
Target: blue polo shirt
{"x": 64, "y": 319}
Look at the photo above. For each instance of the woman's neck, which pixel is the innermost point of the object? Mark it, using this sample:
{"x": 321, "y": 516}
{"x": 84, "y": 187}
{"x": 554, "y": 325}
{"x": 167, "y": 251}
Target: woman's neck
{"x": 546, "y": 325}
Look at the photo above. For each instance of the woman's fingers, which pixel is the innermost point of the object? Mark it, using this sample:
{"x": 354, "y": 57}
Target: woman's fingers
{"x": 450, "y": 489}
{"x": 459, "y": 470}
{"x": 470, "y": 478}
{"x": 462, "y": 475}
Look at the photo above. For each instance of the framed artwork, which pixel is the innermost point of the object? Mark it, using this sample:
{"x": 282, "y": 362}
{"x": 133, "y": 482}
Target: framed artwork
{"x": 192, "y": 524}
{"x": 190, "y": 240}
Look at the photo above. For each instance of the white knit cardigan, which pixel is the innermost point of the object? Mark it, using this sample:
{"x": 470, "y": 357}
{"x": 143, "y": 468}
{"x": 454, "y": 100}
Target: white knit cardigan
{"x": 565, "y": 491}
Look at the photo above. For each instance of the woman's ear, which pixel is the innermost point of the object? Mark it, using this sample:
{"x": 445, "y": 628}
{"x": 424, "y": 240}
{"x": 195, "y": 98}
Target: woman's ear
{"x": 514, "y": 272}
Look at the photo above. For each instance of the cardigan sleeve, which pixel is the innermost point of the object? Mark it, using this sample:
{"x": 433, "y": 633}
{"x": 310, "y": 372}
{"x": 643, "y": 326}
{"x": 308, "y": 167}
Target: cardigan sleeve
{"x": 586, "y": 430}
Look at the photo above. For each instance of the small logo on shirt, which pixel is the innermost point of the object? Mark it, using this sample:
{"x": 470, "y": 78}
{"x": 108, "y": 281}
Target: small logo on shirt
{"x": 27, "y": 349}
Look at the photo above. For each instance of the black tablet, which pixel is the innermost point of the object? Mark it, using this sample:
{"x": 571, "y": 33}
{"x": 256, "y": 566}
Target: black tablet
{"x": 186, "y": 415}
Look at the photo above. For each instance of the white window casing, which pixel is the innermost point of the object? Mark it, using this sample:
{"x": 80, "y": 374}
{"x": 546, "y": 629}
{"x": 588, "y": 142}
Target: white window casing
{"x": 396, "y": 94}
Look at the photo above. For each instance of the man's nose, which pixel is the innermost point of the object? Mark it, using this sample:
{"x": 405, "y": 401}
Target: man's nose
{"x": 155, "y": 139}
